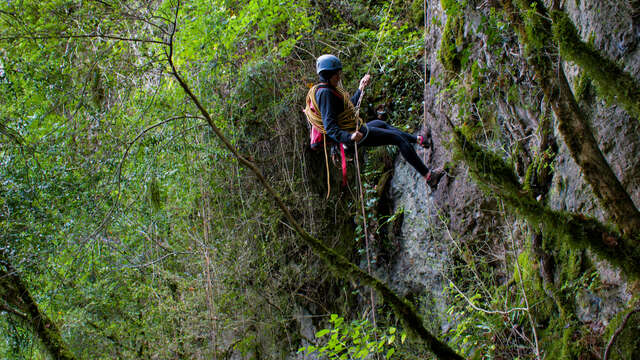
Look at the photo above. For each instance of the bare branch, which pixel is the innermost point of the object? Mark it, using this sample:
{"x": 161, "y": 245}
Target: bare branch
{"x": 11, "y": 134}
{"x": 78, "y": 36}
{"x": 18, "y": 313}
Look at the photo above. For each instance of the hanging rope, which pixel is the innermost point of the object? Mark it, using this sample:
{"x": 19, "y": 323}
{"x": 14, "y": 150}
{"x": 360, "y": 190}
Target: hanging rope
{"x": 424, "y": 93}
{"x": 359, "y": 178}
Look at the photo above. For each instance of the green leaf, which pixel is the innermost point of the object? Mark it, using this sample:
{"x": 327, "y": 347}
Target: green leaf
{"x": 389, "y": 353}
{"x": 362, "y": 354}
{"x": 391, "y": 339}
{"x": 322, "y": 333}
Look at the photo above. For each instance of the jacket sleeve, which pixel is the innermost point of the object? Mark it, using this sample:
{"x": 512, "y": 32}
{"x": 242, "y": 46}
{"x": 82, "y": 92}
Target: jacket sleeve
{"x": 329, "y": 105}
{"x": 354, "y": 98}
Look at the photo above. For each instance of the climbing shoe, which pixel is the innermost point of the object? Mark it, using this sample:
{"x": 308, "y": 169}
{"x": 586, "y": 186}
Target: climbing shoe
{"x": 433, "y": 178}
{"x": 424, "y": 141}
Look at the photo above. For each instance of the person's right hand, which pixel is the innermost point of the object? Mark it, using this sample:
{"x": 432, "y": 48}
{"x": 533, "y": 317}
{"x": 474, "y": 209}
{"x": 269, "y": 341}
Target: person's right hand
{"x": 356, "y": 136}
{"x": 364, "y": 82}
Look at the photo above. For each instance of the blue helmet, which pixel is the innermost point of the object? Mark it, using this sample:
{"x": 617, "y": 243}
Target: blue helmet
{"x": 328, "y": 62}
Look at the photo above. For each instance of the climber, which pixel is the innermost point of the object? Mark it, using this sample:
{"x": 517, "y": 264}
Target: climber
{"x": 338, "y": 118}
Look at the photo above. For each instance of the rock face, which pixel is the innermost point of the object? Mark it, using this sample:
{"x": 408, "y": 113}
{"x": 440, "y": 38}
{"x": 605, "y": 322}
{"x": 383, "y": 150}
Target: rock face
{"x": 419, "y": 265}
{"x": 615, "y": 31}
{"x": 436, "y": 222}
{"x": 307, "y": 333}
{"x": 613, "y": 26}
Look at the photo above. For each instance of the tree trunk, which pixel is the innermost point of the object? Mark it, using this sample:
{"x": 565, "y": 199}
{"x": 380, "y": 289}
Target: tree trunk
{"x": 17, "y": 297}
{"x": 572, "y": 124}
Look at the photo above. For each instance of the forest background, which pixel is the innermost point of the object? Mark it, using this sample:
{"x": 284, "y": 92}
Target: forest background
{"x": 131, "y": 226}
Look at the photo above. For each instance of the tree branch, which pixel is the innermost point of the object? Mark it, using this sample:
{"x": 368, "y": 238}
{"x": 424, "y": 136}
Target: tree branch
{"x": 18, "y": 313}
{"x": 78, "y": 36}
{"x": 572, "y": 123}
{"x": 46, "y": 330}
{"x": 11, "y": 134}
{"x": 612, "y": 81}
{"x": 618, "y": 331}
{"x": 495, "y": 176}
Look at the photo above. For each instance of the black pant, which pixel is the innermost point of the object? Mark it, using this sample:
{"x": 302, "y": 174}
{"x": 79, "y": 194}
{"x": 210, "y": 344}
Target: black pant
{"x": 381, "y": 133}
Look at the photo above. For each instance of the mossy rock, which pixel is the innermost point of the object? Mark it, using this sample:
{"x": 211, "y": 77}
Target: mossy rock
{"x": 611, "y": 81}
{"x": 450, "y": 52}
{"x": 582, "y": 87}
{"x": 417, "y": 12}
{"x": 627, "y": 344}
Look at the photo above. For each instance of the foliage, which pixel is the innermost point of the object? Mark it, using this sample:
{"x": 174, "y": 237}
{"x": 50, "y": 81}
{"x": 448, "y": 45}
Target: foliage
{"x": 452, "y": 53}
{"x": 357, "y": 339}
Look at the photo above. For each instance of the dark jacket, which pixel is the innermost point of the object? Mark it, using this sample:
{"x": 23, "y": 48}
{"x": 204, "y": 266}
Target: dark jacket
{"x": 331, "y": 105}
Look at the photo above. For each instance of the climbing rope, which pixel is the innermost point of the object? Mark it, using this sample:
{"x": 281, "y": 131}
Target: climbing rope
{"x": 358, "y": 176}
{"x": 424, "y": 93}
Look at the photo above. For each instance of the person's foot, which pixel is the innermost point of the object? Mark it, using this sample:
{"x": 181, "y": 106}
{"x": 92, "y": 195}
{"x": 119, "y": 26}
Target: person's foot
{"x": 423, "y": 141}
{"x": 433, "y": 178}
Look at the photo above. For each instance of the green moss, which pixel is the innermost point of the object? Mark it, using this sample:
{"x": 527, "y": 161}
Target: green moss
{"x": 450, "y": 53}
{"x": 559, "y": 330}
{"x": 612, "y": 82}
{"x": 535, "y": 29}
{"x": 582, "y": 86}
{"x": 564, "y": 337}
{"x": 533, "y": 23}
{"x": 627, "y": 343}
{"x": 97, "y": 88}
{"x": 526, "y": 264}
{"x": 528, "y": 175}
{"x": 571, "y": 262}
{"x": 417, "y": 12}
{"x": 154, "y": 194}
{"x": 579, "y": 232}
{"x": 558, "y": 339}
{"x": 539, "y": 171}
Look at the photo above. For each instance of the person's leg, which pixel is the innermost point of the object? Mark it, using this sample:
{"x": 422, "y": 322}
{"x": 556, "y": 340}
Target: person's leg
{"x": 412, "y": 139}
{"x": 388, "y": 135}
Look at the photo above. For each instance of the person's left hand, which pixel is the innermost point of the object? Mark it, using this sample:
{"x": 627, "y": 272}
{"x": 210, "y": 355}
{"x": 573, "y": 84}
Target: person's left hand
{"x": 364, "y": 82}
{"x": 356, "y": 136}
